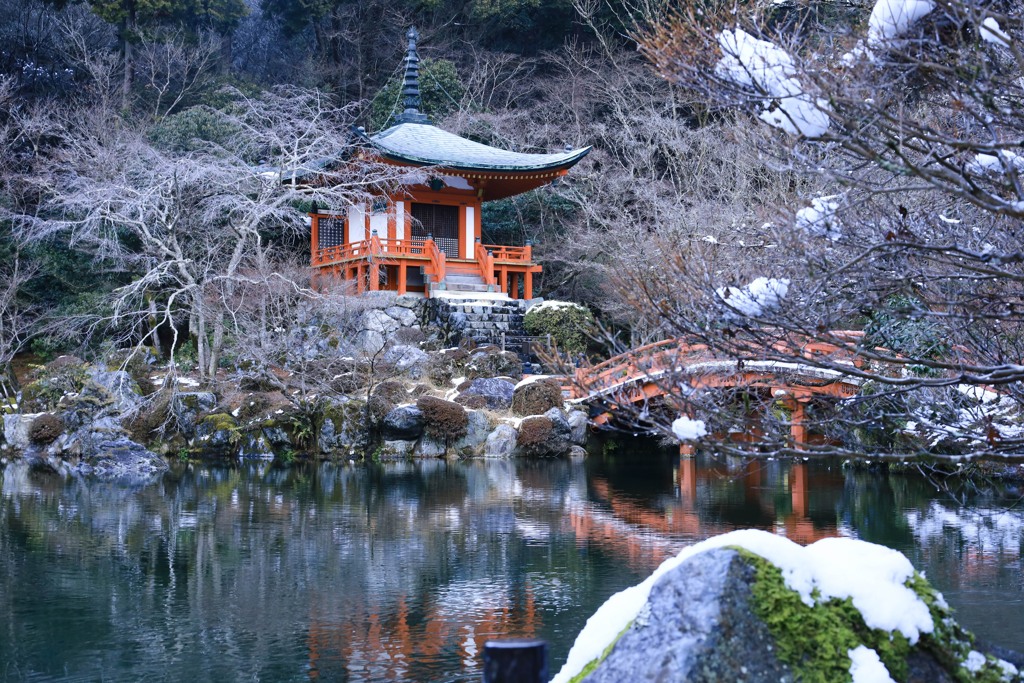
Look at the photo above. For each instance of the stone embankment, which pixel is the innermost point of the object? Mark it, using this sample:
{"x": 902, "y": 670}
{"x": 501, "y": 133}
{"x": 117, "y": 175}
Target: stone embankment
{"x": 376, "y": 384}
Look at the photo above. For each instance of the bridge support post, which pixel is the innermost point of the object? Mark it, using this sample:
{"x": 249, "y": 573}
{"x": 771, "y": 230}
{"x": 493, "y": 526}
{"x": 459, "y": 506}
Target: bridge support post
{"x": 798, "y": 423}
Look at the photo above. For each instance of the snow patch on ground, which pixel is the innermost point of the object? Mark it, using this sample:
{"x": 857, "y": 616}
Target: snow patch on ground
{"x": 872, "y": 576}
{"x": 686, "y": 429}
{"x": 762, "y": 294}
{"x": 819, "y": 219}
{"x": 867, "y": 667}
{"x": 767, "y": 68}
{"x": 890, "y": 19}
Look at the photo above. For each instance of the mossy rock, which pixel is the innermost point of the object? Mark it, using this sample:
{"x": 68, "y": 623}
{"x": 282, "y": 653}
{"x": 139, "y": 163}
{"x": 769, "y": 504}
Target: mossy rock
{"x": 65, "y": 375}
{"x": 445, "y": 365}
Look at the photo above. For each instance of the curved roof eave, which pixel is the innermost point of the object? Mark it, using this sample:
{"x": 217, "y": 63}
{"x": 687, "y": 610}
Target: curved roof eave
{"x": 426, "y": 145}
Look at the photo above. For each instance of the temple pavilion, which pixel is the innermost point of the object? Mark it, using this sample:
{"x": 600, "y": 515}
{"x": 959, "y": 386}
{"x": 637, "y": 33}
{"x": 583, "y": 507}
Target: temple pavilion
{"x": 426, "y": 236}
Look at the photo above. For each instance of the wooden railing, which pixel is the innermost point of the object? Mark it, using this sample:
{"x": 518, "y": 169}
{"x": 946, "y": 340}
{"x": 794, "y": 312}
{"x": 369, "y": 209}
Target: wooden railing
{"x": 437, "y": 262}
{"x": 511, "y": 254}
{"x": 485, "y": 259}
{"x": 415, "y": 248}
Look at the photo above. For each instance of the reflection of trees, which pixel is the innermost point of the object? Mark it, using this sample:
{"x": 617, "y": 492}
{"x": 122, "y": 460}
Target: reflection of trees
{"x": 273, "y": 568}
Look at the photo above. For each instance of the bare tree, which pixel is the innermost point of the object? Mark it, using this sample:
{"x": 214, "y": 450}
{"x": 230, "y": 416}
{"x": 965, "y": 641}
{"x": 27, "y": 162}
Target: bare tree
{"x": 184, "y": 228}
{"x": 906, "y": 142}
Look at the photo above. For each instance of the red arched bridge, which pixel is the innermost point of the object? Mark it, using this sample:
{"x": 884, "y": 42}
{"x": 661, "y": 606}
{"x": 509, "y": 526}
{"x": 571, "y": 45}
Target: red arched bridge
{"x": 811, "y": 369}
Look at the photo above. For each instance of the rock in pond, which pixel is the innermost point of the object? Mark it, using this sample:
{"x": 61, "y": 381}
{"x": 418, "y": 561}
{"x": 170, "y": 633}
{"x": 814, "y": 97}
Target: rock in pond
{"x": 751, "y": 606}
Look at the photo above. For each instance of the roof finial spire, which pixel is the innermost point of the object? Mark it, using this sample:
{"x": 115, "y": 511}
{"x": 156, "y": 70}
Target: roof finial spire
{"x": 411, "y": 83}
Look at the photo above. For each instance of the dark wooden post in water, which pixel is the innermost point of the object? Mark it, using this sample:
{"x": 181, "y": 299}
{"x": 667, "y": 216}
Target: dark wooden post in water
{"x": 516, "y": 661}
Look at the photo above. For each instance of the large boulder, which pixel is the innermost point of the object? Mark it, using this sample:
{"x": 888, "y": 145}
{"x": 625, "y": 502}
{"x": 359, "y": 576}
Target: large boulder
{"x": 403, "y": 423}
{"x": 497, "y": 393}
{"x": 756, "y": 607}
{"x": 579, "y": 423}
{"x": 477, "y": 431}
{"x": 407, "y": 359}
{"x": 537, "y": 396}
{"x": 501, "y": 443}
{"x": 187, "y": 406}
{"x": 17, "y": 430}
{"x": 704, "y": 626}
{"x": 122, "y": 389}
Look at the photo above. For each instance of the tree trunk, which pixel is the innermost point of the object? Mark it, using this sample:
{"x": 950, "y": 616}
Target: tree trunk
{"x": 128, "y": 26}
{"x": 218, "y": 343}
{"x": 226, "y": 51}
{"x": 154, "y": 328}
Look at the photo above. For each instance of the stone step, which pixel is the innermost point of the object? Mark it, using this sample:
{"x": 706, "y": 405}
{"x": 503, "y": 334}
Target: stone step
{"x": 459, "y": 287}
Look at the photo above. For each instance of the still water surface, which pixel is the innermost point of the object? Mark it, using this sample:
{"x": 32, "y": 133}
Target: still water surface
{"x": 401, "y": 572}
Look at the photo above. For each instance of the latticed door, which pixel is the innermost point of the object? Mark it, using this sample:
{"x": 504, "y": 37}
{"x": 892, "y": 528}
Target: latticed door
{"x": 442, "y": 222}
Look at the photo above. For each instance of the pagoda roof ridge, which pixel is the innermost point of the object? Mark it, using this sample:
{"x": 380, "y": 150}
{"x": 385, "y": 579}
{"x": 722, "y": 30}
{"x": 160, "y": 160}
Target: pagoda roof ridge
{"x": 423, "y": 144}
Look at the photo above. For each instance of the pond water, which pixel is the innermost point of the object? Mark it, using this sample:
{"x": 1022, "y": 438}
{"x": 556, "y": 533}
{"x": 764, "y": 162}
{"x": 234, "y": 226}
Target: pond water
{"x": 401, "y": 572}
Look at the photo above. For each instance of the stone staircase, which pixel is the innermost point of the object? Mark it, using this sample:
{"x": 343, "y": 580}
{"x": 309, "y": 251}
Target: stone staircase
{"x": 488, "y": 319}
{"x": 464, "y": 279}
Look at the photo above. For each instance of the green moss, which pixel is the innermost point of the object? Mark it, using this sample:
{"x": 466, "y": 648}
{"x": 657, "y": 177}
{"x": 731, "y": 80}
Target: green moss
{"x": 815, "y": 641}
{"x": 594, "y": 663}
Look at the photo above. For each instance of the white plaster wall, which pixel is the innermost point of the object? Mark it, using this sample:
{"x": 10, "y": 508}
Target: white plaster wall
{"x": 400, "y": 220}
{"x": 379, "y": 222}
{"x": 356, "y": 224}
{"x": 470, "y": 237}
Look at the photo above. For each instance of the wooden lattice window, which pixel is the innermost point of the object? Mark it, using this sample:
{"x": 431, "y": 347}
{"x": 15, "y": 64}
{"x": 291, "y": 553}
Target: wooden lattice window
{"x": 440, "y": 221}
{"x": 332, "y": 231}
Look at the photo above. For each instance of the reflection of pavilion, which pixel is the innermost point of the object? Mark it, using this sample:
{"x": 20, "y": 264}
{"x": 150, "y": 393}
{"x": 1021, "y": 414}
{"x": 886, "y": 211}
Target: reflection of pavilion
{"x": 407, "y": 643}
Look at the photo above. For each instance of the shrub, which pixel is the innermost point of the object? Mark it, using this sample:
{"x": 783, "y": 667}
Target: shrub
{"x": 535, "y": 435}
{"x": 568, "y": 324}
{"x": 537, "y": 398}
{"x": 45, "y": 429}
{"x": 444, "y": 421}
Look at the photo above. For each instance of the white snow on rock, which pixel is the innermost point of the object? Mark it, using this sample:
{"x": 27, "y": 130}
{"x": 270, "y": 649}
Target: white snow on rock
{"x": 530, "y": 379}
{"x": 762, "y": 294}
{"x": 996, "y": 163}
{"x": 872, "y": 576}
{"x": 686, "y": 429}
{"x": 867, "y": 667}
{"x": 819, "y": 219}
{"x": 889, "y": 20}
{"x": 555, "y": 305}
{"x": 762, "y": 65}
{"x": 992, "y": 32}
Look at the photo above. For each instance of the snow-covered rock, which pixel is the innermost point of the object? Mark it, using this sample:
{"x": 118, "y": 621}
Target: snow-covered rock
{"x": 761, "y": 295}
{"x": 763, "y": 66}
{"x": 819, "y": 219}
{"x": 712, "y": 613}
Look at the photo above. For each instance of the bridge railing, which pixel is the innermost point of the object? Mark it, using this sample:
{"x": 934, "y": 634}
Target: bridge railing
{"x": 674, "y": 354}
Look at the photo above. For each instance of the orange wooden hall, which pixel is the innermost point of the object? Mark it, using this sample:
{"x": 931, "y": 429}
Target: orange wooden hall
{"x": 426, "y": 236}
